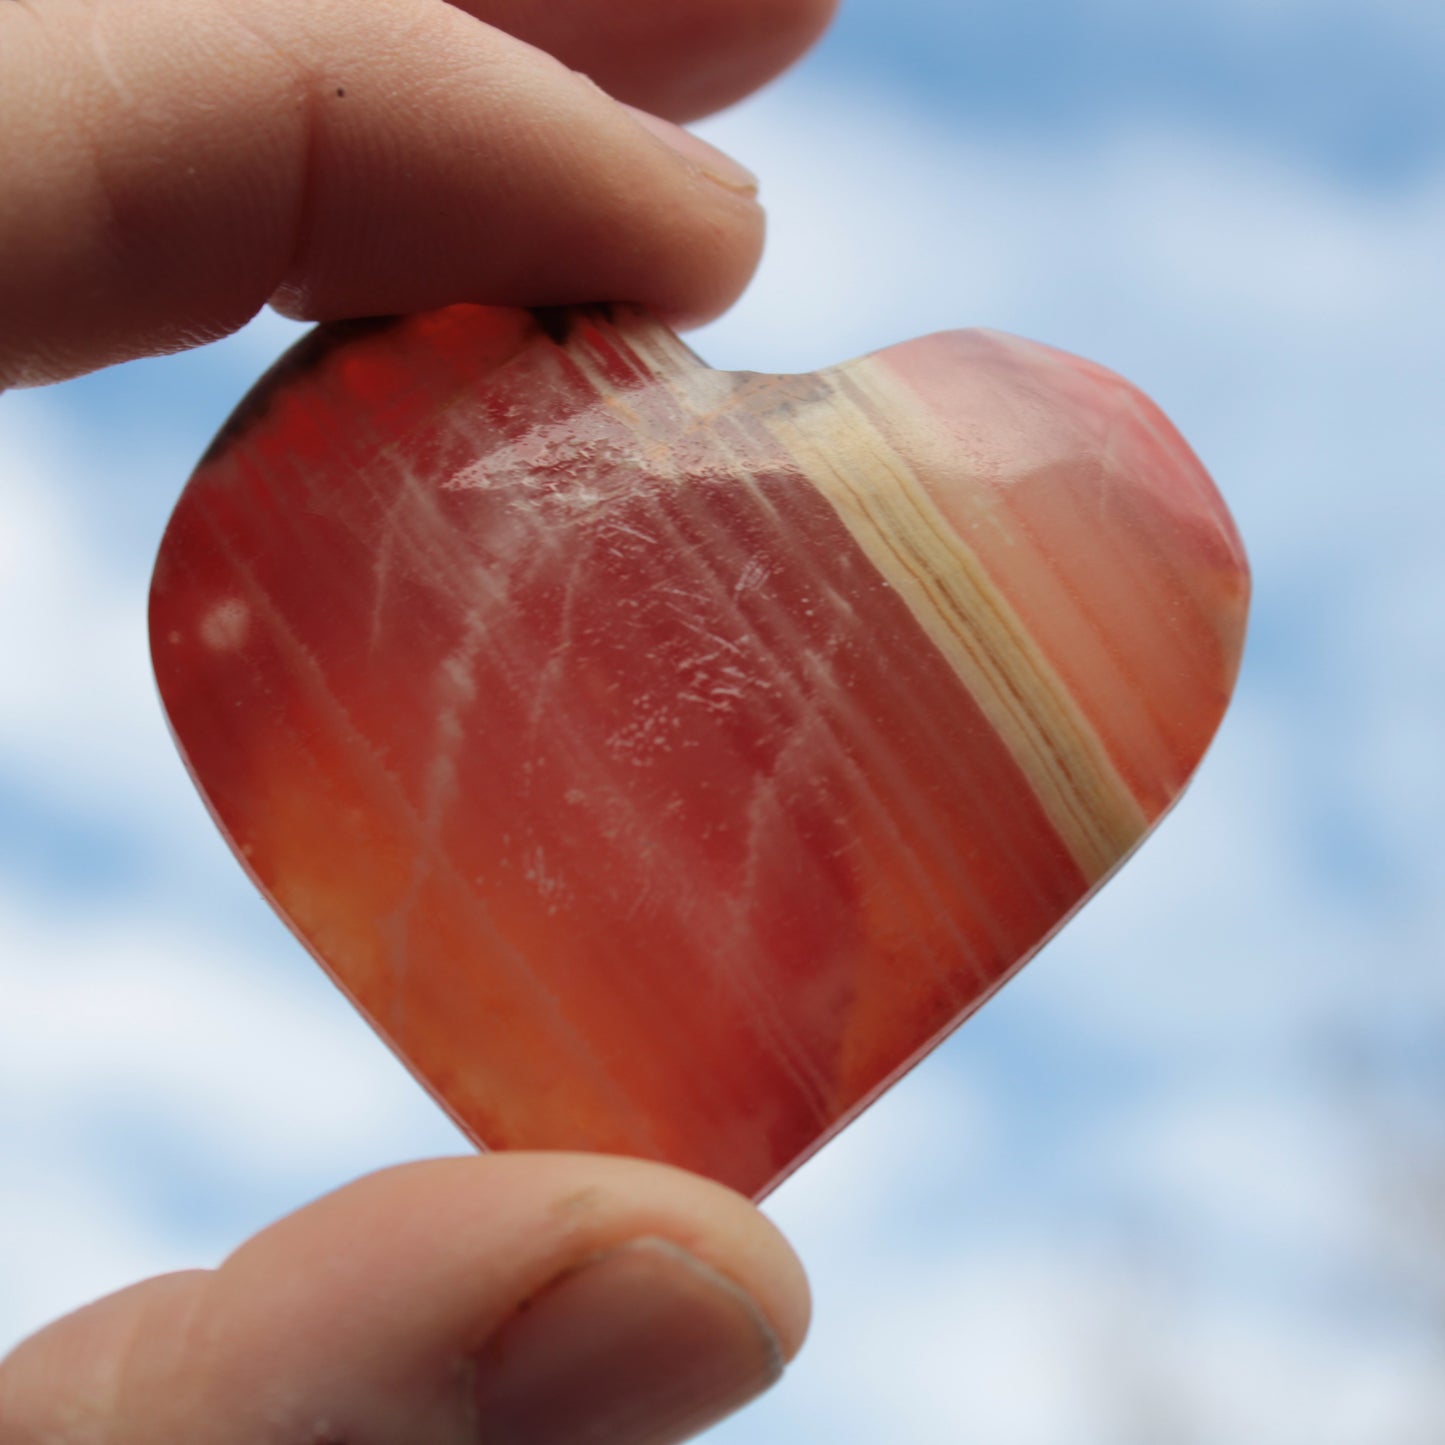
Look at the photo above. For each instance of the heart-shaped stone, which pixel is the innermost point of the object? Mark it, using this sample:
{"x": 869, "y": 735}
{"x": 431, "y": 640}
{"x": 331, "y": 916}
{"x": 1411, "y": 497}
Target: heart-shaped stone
{"x": 665, "y": 759}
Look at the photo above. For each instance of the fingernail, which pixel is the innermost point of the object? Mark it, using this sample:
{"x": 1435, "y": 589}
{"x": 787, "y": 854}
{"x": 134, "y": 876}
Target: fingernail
{"x": 644, "y": 1345}
{"x": 715, "y": 164}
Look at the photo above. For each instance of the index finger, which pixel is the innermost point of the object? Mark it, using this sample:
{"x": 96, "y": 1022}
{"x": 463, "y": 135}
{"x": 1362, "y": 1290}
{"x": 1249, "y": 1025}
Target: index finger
{"x": 166, "y": 169}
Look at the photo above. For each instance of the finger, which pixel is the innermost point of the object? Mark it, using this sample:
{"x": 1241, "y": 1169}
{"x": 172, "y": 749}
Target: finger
{"x": 166, "y": 170}
{"x": 679, "y": 58}
{"x": 527, "y": 1299}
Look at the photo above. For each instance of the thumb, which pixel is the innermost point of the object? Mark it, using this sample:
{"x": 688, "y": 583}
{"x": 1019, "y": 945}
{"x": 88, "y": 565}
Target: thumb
{"x": 527, "y": 1299}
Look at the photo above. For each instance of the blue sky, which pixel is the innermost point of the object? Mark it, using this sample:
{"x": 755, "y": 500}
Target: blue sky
{"x": 1350, "y": 87}
{"x": 1182, "y": 1181}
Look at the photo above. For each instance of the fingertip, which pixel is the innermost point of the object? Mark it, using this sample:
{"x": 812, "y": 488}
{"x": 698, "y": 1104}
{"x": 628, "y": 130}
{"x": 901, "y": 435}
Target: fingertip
{"x": 706, "y": 159}
{"x": 644, "y": 1343}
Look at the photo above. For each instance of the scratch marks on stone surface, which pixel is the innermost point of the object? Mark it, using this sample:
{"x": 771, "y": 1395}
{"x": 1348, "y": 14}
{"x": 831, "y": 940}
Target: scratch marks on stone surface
{"x": 455, "y": 689}
{"x": 549, "y": 883}
{"x": 566, "y": 471}
{"x": 384, "y": 550}
{"x": 412, "y": 541}
{"x": 716, "y": 671}
{"x": 613, "y": 528}
{"x": 772, "y": 1014}
{"x": 752, "y": 578}
{"x": 550, "y": 681}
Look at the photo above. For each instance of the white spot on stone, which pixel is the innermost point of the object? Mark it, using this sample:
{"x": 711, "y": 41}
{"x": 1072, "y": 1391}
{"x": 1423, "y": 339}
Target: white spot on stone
{"x": 224, "y": 627}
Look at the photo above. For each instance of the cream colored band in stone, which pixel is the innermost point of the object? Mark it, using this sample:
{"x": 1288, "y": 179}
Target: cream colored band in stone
{"x": 886, "y": 507}
{"x": 826, "y": 430}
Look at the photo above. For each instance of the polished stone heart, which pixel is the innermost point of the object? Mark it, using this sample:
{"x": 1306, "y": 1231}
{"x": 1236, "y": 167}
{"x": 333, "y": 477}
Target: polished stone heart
{"x": 665, "y": 759}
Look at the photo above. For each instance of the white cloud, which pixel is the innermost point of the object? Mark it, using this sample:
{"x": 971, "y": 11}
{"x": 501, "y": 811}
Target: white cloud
{"x": 1024, "y": 1341}
{"x": 69, "y": 642}
{"x": 252, "y": 1070}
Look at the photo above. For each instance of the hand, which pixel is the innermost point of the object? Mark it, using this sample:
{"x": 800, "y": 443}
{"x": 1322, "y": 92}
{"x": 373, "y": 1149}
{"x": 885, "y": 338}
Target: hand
{"x": 169, "y": 166}
{"x": 522, "y": 1299}
{"x": 163, "y": 174}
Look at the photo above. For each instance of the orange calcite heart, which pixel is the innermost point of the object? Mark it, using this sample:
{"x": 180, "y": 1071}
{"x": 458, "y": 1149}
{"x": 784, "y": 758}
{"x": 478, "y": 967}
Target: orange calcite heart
{"x": 664, "y": 759}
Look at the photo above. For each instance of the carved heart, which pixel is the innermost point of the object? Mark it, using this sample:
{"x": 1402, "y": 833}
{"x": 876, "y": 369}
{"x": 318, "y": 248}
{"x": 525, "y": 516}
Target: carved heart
{"x": 665, "y": 759}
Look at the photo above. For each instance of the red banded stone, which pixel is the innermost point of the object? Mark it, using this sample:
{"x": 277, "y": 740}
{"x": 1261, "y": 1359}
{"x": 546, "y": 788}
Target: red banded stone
{"x": 662, "y": 759}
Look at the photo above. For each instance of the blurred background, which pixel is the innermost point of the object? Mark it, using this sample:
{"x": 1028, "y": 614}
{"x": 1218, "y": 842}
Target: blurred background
{"x": 1183, "y": 1182}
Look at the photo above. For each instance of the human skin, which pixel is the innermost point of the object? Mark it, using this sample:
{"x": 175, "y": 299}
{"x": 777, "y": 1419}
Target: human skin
{"x": 166, "y": 172}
